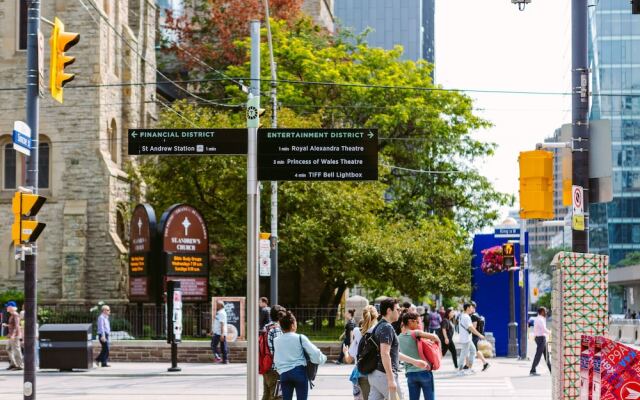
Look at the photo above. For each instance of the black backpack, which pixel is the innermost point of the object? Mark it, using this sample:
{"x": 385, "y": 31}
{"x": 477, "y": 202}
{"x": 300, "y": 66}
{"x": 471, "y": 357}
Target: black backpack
{"x": 480, "y": 324}
{"x": 368, "y": 352}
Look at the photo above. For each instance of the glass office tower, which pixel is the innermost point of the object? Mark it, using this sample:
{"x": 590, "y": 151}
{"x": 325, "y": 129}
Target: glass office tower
{"x": 614, "y": 57}
{"x": 409, "y": 23}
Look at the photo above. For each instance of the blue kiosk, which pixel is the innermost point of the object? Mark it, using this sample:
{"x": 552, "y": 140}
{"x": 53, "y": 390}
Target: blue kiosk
{"x": 491, "y": 292}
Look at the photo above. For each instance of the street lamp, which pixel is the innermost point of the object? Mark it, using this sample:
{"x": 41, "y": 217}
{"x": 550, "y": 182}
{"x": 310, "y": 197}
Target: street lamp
{"x": 521, "y": 3}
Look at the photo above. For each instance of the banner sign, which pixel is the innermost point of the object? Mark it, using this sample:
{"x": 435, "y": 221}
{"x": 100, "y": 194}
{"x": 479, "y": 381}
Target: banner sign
{"x": 142, "y": 231}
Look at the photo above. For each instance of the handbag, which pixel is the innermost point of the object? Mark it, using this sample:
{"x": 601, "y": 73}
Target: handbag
{"x": 429, "y": 351}
{"x": 312, "y": 368}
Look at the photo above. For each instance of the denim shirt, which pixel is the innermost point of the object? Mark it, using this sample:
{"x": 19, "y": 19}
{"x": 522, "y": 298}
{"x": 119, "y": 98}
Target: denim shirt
{"x": 288, "y": 353}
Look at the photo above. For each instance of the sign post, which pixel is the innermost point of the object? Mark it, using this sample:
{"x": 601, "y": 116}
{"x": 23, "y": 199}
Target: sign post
{"x": 174, "y": 321}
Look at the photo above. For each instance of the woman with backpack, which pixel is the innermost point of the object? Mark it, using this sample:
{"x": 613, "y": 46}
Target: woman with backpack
{"x": 418, "y": 379}
{"x": 446, "y": 336}
{"x": 291, "y": 351}
{"x": 360, "y": 381}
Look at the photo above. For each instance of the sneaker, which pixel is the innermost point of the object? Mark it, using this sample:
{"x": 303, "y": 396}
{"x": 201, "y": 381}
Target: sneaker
{"x": 485, "y": 366}
{"x": 97, "y": 363}
{"x": 465, "y": 367}
{"x": 217, "y": 361}
{"x": 107, "y": 365}
{"x": 17, "y": 368}
{"x": 10, "y": 367}
{"x": 534, "y": 373}
{"x": 226, "y": 362}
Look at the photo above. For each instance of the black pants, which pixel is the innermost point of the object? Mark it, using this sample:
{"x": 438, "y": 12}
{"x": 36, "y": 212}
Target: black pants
{"x": 103, "y": 357}
{"x": 452, "y": 348}
{"x": 541, "y": 348}
{"x": 224, "y": 349}
{"x": 347, "y": 343}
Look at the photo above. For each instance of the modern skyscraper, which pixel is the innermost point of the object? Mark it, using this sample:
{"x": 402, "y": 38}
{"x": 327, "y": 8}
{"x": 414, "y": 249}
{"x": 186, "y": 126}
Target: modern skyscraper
{"x": 409, "y": 23}
{"x": 614, "y": 56}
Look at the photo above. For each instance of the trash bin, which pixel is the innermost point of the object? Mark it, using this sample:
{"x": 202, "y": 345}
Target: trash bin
{"x": 66, "y": 346}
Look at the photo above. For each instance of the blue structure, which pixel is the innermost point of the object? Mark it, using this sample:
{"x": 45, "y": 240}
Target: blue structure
{"x": 491, "y": 292}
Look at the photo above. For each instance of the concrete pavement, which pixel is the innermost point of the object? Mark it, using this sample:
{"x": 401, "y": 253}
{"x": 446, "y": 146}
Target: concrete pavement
{"x": 505, "y": 379}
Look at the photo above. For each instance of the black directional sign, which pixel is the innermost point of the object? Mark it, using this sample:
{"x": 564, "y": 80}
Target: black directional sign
{"x": 317, "y": 154}
{"x": 187, "y": 141}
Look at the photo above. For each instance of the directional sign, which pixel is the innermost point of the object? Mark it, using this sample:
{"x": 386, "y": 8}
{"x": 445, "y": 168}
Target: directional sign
{"x": 318, "y": 154}
{"x": 22, "y": 138}
{"x": 187, "y": 141}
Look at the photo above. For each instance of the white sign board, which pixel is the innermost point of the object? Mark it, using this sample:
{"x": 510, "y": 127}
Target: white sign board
{"x": 22, "y": 138}
{"x": 177, "y": 315}
{"x": 264, "y": 266}
{"x": 578, "y": 199}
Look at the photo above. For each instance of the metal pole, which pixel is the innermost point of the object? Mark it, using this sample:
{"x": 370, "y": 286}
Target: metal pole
{"x": 580, "y": 114}
{"x": 30, "y": 271}
{"x": 274, "y": 184}
{"x": 512, "y": 350}
{"x": 523, "y": 295}
{"x": 252, "y": 226}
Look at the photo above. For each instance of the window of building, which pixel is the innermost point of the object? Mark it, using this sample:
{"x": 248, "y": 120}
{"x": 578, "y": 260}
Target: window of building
{"x": 44, "y": 155}
{"x": 121, "y": 226}
{"x": 9, "y": 166}
{"x": 22, "y": 24}
{"x": 112, "y": 136}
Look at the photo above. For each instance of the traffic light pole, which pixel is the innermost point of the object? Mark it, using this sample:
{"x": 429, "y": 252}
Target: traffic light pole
{"x": 580, "y": 114}
{"x": 523, "y": 295}
{"x": 30, "y": 300}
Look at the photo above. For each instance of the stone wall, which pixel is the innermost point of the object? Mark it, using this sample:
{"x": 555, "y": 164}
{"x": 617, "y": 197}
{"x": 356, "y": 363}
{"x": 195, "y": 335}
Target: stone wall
{"x": 188, "y": 352}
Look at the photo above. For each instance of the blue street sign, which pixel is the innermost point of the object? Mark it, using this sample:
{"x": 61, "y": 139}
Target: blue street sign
{"x": 22, "y": 138}
{"x": 507, "y": 233}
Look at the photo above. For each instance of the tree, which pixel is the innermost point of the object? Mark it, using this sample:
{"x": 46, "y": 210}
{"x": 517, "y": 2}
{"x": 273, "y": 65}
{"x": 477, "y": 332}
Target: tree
{"x": 632, "y": 258}
{"x": 541, "y": 259}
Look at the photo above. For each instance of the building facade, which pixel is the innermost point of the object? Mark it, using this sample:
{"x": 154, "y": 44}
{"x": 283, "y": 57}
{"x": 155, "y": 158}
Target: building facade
{"x": 82, "y": 253}
{"x": 409, "y": 23}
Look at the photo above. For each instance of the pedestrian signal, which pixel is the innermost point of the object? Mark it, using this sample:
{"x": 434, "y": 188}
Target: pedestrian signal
{"x": 508, "y": 253}
{"x": 24, "y": 206}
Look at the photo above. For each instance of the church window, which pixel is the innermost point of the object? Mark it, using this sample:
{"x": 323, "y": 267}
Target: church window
{"x": 22, "y": 24}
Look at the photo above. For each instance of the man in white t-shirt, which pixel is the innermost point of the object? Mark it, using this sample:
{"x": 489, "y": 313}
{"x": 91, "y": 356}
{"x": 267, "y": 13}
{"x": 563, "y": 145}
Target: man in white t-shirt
{"x": 219, "y": 331}
{"x": 467, "y": 330}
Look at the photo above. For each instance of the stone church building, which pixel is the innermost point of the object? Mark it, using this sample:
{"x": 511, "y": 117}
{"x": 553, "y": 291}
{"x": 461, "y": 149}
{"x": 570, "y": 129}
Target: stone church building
{"x": 82, "y": 253}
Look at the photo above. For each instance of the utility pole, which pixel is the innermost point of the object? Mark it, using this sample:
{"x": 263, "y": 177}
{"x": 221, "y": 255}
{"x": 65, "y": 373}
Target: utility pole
{"x": 274, "y": 184}
{"x": 30, "y": 288}
{"x": 253, "y": 219}
{"x": 580, "y": 114}
{"x": 523, "y": 286}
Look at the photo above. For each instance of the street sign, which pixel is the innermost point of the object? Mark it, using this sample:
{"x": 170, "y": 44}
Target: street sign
{"x": 578, "y": 199}
{"x": 187, "y": 141}
{"x": 22, "y": 138}
{"x": 265, "y": 255}
{"x": 577, "y": 222}
{"x": 41, "y": 81}
{"x": 317, "y": 154}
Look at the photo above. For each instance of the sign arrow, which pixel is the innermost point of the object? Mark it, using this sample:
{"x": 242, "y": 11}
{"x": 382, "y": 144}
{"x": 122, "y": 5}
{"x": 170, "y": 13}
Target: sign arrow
{"x": 134, "y": 134}
{"x": 370, "y": 134}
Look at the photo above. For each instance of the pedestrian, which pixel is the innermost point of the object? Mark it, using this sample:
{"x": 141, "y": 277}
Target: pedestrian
{"x": 478, "y": 322}
{"x": 418, "y": 379}
{"x": 13, "y": 335}
{"x": 421, "y": 312}
{"x": 104, "y": 331}
{"x": 434, "y": 321}
{"x": 540, "y": 332}
{"x": 273, "y": 331}
{"x": 358, "y": 379}
{"x": 349, "y": 326}
{"x": 442, "y": 312}
{"x": 383, "y": 381}
{"x": 467, "y": 330}
{"x": 446, "y": 336}
{"x": 265, "y": 312}
{"x": 219, "y": 335}
{"x": 289, "y": 358}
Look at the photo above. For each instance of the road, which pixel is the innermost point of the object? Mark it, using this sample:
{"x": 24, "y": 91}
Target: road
{"x": 505, "y": 379}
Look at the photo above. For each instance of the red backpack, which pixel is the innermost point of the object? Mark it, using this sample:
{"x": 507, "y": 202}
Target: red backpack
{"x": 429, "y": 351}
{"x": 265, "y": 358}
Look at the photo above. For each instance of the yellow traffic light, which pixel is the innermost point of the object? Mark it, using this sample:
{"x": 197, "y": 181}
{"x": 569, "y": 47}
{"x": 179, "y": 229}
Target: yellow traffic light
{"x": 25, "y": 205}
{"x": 60, "y": 42}
{"x": 536, "y": 184}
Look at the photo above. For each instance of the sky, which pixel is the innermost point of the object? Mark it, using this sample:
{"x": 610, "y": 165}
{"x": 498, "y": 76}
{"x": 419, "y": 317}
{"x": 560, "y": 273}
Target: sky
{"x": 491, "y": 45}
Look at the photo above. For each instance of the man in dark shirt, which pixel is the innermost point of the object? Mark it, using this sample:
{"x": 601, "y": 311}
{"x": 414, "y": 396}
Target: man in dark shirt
{"x": 384, "y": 380}
{"x": 265, "y": 312}
{"x": 478, "y": 323}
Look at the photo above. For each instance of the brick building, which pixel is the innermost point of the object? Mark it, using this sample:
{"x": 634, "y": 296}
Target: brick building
{"x": 83, "y": 150}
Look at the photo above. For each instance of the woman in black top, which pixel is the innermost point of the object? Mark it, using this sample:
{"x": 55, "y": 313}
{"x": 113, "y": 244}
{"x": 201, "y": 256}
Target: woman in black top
{"x": 446, "y": 336}
{"x": 349, "y": 326}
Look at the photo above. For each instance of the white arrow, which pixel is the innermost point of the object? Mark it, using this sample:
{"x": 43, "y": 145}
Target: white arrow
{"x": 370, "y": 134}
{"x": 134, "y": 134}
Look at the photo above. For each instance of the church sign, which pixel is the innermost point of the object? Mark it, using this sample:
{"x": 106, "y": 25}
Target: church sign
{"x": 142, "y": 232}
{"x": 185, "y": 251}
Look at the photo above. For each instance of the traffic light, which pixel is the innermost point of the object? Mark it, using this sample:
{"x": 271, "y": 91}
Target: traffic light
{"x": 508, "y": 253}
{"x": 536, "y": 184}
{"x": 60, "y": 42}
{"x": 635, "y": 6}
{"x": 254, "y": 112}
{"x": 26, "y": 205}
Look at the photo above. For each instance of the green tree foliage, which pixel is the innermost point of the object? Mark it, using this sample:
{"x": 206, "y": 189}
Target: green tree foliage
{"x": 541, "y": 260}
{"x": 632, "y": 258}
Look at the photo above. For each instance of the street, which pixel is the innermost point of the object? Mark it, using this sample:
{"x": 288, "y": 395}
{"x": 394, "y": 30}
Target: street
{"x": 505, "y": 379}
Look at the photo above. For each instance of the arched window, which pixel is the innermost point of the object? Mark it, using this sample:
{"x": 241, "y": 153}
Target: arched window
{"x": 120, "y": 225}
{"x": 44, "y": 157}
{"x": 112, "y": 133}
{"x": 9, "y": 167}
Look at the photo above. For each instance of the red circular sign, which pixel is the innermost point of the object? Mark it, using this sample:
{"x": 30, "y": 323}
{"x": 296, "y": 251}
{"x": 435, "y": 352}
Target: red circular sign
{"x": 630, "y": 391}
{"x": 577, "y": 198}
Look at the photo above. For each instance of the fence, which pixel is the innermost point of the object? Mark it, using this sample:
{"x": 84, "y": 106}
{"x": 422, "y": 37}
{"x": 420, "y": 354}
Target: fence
{"x": 135, "y": 321}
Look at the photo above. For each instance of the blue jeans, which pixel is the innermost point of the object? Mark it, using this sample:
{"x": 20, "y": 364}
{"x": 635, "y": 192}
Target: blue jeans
{"x": 295, "y": 379}
{"x": 417, "y": 381}
{"x": 103, "y": 357}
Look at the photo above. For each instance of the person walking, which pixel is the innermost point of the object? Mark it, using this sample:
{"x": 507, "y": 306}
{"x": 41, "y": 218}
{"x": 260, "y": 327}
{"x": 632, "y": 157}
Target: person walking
{"x": 418, "y": 379}
{"x": 273, "y": 331}
{"x": 219, "y": 335}
{"x": 289, "y": 358}
{"x": 467, "y": 329}
{"x": 540, "y": 333}
{"x": 349, "y": 326}
{"x": 359, "y": 380}
{"x": 478, "y": 322}
{"x": 14, "y": 334}
{"x": 434, "y": 321}
{"x": 265, "y": 312}
{"x": 446, "y": 336}
{"x": 104, "y": 331}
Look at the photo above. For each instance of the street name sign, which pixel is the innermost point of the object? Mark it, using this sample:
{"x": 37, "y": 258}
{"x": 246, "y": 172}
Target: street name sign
{"x": 317, "y": 154}
{"x": 22, "y": 138}
{"x": 187, "y": 141}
